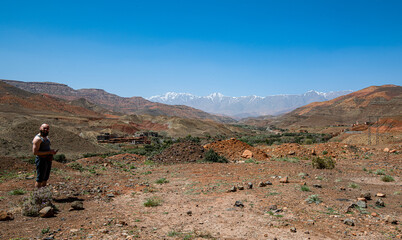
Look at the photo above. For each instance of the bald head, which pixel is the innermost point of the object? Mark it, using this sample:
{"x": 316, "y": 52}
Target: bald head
{"x": 44, "y": 130}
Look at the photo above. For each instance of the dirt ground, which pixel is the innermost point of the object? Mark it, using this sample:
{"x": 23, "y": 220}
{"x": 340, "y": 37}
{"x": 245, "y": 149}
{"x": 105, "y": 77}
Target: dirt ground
{"x": 195, "y": 201}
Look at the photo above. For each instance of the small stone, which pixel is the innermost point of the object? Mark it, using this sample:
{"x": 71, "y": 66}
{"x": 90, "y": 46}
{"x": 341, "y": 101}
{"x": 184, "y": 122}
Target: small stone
{"x": 374, "y": 214}
{"x": 284, "y": 180}
{"x": 233, "y": 189}
{"x": 349, "y": 222}
{"x": 74, "y": 230}
{"x": 342, "y": 189}
{"x": 119, "y": 225}
{"x": 291, "y": 153}
{"x": 361, "y": 199}
{"x": 250, "y": 185}
{"x": 380, "y": 195}
{"x": 306, "y": 232}
{"x": 239, "y": 204}
{"x": 361, "y": 204}
{"x": 46, "y": 212}
{"x": 77, "y": 205}
{"x": 293, "y": 229}
{"x": 6, "y": 216}
{"x": 273, "y": 207}
{"x": 268, "y": 183}
{"x": 30, "y": 177}
{"x": 310, "y": 222}
{"x": 240, "y": 187}
{"x": 313, "y": 152}
{"x": 389, "y": 219}
{"x": 110, "y": 195}
{"x": 262, "y": 184}
{"x": 247, "y": 154}
{"x": 386, "y": 149}
{"x": 380, "y": 203}
{"x": 317, "y": 185}
{"x": 190, "y": 213}
{"x": 103, "y": 230}
{"x": 367, "y": 196}
{"x": 392, "y": 151}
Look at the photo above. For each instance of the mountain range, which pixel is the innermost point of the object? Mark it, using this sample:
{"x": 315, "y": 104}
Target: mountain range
{"x": 246, "y": 106}
{"x": 114, "y": 103}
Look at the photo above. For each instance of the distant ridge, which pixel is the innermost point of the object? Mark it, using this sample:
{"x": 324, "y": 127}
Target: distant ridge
{"x": 246, "y": 106}
{"x": 381, "y": 101}
{"x": 112, "y": 102}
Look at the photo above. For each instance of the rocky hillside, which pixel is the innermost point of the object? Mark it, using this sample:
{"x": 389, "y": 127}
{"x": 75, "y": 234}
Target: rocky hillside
{"x": 13, "y": 99}
{"x": 381, "y": 101}
{"x": 112, "y": 102}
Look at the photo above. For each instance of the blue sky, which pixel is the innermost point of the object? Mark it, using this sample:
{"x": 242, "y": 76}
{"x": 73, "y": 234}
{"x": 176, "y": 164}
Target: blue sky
{"x": 238, "y": 48}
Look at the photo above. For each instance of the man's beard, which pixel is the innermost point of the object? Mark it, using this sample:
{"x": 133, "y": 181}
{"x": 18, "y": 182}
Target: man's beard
{"x": 44, "y": 133}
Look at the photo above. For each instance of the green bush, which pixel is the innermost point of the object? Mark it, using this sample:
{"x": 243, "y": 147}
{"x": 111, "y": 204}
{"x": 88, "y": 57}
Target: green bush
{"x": 212, "y": 156}
{"x": 18, "y": 191}
{"x": 153, "y": 202}
{"x": 379, "y": 172}
{"x": 76, "y": 166}
{"x": 313, "y": 199}
{"x": 162, "y": 181}
{"x": 37, "y": 200}
{"x": 323, "y": 163}
{"x": 387, "y": 178}
{"x": 305, "y": 188}
{"x": 61, "y": 158}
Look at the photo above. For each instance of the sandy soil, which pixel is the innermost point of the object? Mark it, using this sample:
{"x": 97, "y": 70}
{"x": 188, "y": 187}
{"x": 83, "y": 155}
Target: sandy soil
{"x": 195, "y": 202}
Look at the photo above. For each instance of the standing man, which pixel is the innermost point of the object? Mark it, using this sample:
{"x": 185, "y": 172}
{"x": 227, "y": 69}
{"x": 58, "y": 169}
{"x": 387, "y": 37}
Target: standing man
{"x": 44, "y": 155}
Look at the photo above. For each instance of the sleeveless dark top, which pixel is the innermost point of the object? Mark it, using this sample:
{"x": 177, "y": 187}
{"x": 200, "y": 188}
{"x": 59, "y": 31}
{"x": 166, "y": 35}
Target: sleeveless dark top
{"x": 44, "y": 146}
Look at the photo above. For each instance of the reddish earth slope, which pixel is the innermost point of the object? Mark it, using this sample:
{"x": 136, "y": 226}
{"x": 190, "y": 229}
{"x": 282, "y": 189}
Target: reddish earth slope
{"x": 382, "y": 101}
{"x": 15, "y": 99}
{"x": 112, "y": 102}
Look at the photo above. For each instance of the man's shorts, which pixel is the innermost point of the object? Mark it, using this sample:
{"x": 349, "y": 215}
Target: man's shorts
{"x": 43, "y": 166}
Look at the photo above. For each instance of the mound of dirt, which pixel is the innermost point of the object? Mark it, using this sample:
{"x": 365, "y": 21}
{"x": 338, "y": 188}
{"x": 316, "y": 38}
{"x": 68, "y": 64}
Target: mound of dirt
{"x": 233, "y": 150}
{"x": 180, "y": 153}
{"x": 331, "y": 149}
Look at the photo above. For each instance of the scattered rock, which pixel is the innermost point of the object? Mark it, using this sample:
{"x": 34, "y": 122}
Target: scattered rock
{"x": 250, "y": 185}
{"x": 268, "y": 183}
{"x": 367, "y": 196}
{"x": 350, "y": 208}
{"x": 313, "y": 152}
{"x": 381, "y": 195}
{"x": 317, "y": 185}
{"x": 374, "y": 214}
{"x": 110, "y": 195}
{"x": 361, "y": 204}
{"x": 293, "y": 229}
{"x": 284, "y": 180}
{"x": 77, "y": 205}
{"x": 349, "y": 222}
{"x": 46, "y": 212}
{"x": 392, "y": 151}
{"x": 386, "y": 149}
{"x": 361, "y": 199}
{"x": 103, "y": 230}
{"x": 291, "y": 153}
{"x": 389, "y": 219}
{"x": 273, "y": 207}
{"x": 6, "y": 216}
{"x": 262, "y": 184}
{"x": 380, "y": 203}
{"x": 310, "y": 222}
{"x": 240, "y": 187}
{"x": 233, "y": 189}
{"x": 247, "y": 154}
{"x": 190, "y": 213}
{"x": 239, "y": 204}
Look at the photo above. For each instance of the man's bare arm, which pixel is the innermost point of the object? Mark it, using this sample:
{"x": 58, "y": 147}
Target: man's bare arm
{"x": 35, "y": 148}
